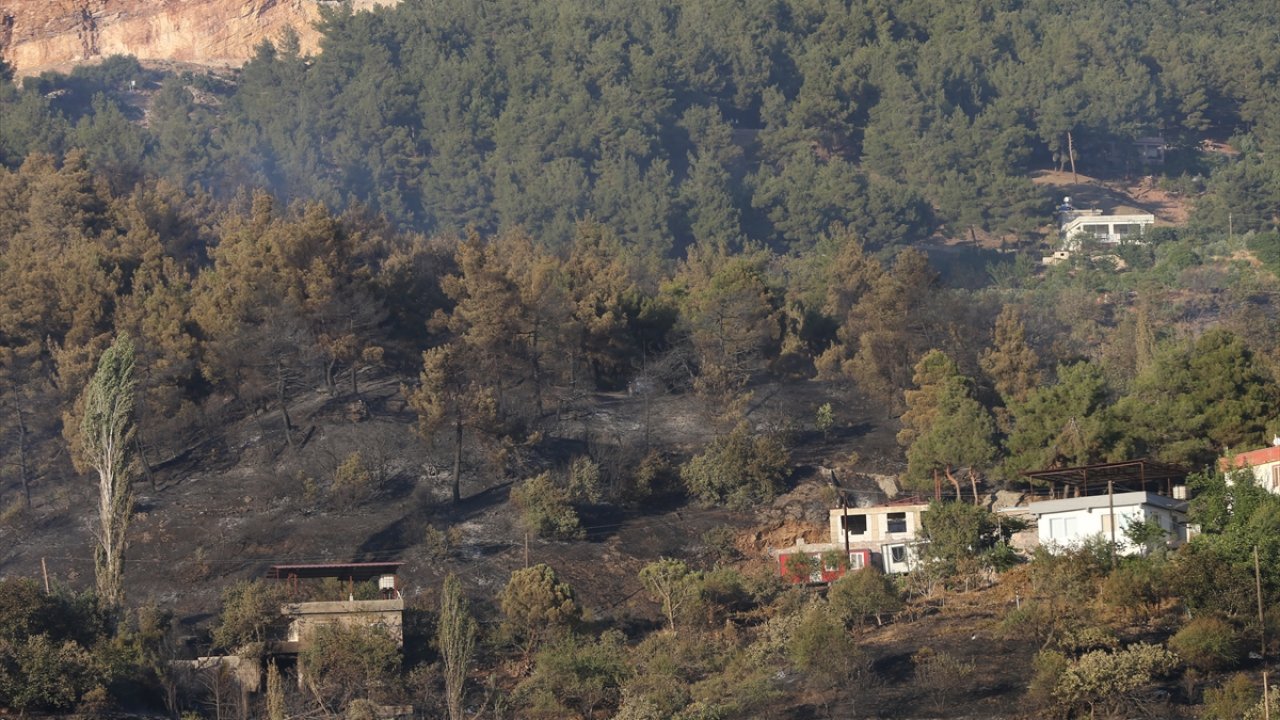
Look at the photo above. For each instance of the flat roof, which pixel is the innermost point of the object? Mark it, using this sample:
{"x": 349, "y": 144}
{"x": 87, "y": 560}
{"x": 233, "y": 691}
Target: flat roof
{"x": 1130, "y": 475}
{"x": 1120, "y": 500}
{"x": 899, "y": 505}
{"x": 354, "y": 571}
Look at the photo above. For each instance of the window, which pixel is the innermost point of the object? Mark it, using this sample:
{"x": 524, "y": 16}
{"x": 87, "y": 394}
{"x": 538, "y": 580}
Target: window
{"x": 854, "y": 524}
{"x": 1062, "y": 528}
{"x": 1109, "y": 525}
{"x": 1275, "y": 478}
{"x": 855, "y": 561}
{"x": 897, "y": 554}
{"x": 897, "y": 522}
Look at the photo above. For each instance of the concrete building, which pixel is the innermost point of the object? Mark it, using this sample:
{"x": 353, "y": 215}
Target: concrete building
{"x": 306, "y": 617}
{"x": 1076, "y": 227}
{"x": 1068, "y": 522}
{"x": 889, "y": 531}
{"x": 884, "y": 536}
{"x": 303, "y": 618}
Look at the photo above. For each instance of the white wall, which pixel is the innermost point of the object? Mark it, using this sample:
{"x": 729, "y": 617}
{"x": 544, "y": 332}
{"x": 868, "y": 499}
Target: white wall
{"x": 1070, "y": 528}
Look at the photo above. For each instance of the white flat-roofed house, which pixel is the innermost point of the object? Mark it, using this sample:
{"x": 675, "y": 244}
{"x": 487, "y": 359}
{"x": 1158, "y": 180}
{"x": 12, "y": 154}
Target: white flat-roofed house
{"x": 1076, "y": 227}
{"x": 1069, "y": 522}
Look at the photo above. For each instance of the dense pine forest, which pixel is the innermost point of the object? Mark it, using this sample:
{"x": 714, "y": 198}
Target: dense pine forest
{"x": 511, "y": 213}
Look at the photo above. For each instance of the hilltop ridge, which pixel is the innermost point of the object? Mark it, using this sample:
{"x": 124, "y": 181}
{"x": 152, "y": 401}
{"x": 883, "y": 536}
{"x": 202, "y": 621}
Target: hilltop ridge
{"x": 37, "y": 35}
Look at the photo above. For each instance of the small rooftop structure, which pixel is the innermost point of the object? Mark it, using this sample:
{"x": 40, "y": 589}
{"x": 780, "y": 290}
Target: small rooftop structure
{"x": 356, "y": 572}
{"x": 384, "y": 572}
{"x": 886, "y": 535}
{"x": 1129, "y": 476}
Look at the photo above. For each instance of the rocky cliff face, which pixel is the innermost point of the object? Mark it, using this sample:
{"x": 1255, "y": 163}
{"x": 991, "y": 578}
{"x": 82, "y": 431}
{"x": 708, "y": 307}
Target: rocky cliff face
{"x": 37, "y": 35}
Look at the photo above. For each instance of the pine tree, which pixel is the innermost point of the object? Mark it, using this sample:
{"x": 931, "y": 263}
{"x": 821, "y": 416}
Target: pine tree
{"x": 1010, "y": 362}
{"x": 448, "y": 396}
{"x": 944, "y": 427}
{"x": 1067, "y": 423}
{"x": 731, "y": 316}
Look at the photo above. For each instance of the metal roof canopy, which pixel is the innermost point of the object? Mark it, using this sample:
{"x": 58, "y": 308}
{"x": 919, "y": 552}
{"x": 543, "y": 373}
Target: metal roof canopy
{"x": 355, "y": 572}
{"x": 1133, "y": 475}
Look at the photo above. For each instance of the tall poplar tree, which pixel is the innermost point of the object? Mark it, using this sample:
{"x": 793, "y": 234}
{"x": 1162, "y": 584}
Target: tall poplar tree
{"x": 456, "y": 636}
{"x": 107, "y": 445}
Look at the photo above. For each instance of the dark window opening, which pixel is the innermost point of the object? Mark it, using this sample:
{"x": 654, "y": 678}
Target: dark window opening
{"x": 855, "y": 524}
{"x": 898, "y": 554}
{"x": 897, "y": 522}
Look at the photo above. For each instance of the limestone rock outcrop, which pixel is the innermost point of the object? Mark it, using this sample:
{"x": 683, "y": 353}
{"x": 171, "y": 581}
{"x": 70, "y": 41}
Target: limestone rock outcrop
{"x": 38, "y": 35}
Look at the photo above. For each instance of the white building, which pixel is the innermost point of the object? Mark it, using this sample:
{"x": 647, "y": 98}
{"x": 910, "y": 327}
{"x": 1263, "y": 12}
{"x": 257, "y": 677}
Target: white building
{"x": 1264, "y": 464}
{"x": 1079, "y": 226}
{"x": 1070, "y": 521}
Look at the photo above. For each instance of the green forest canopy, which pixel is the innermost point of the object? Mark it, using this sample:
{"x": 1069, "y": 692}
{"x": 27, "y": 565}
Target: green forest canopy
{"x": 705, "y": 120}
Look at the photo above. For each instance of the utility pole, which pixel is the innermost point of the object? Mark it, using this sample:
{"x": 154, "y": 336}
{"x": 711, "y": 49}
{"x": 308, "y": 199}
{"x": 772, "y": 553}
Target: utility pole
{"x": 1111, "y": 505}
{"x": 1071, "y": 154}
{"x": 844, "y": 524}
{"x": 1262, "y": 635}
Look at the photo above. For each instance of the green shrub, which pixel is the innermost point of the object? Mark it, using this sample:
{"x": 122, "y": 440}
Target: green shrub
{"x": 724, "y": 591}
{"x": 586, "y": 482}
{"x": 545, "y": 508}
{"x": 343, "y": 663}
{"x": 439, "y": 544}
{"x": 39, "y": 673}
{"x": 652, "y": 478}
{"x": 824, "y": 419}
{"x": 1111, "y": 682}
{"x": 1048, "y": 667}
{"x": 352, "y": 480}
{"x": 739, "y": 469}
{"x": 801, "y": 566}
{"x": 721, "y": 542}
{"x": 574, "y": 677}
{"x": 248, "y": 608}
{"x": 1087, "y": 638}
{"x": 1232, "y": 701}
{"x": 815, "y": 641}
{"x": 535, "y": 605}
{"x": 862, "y": 594}
{"x": 1136, "y": 588}
{"x": 1207, "y": 643}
